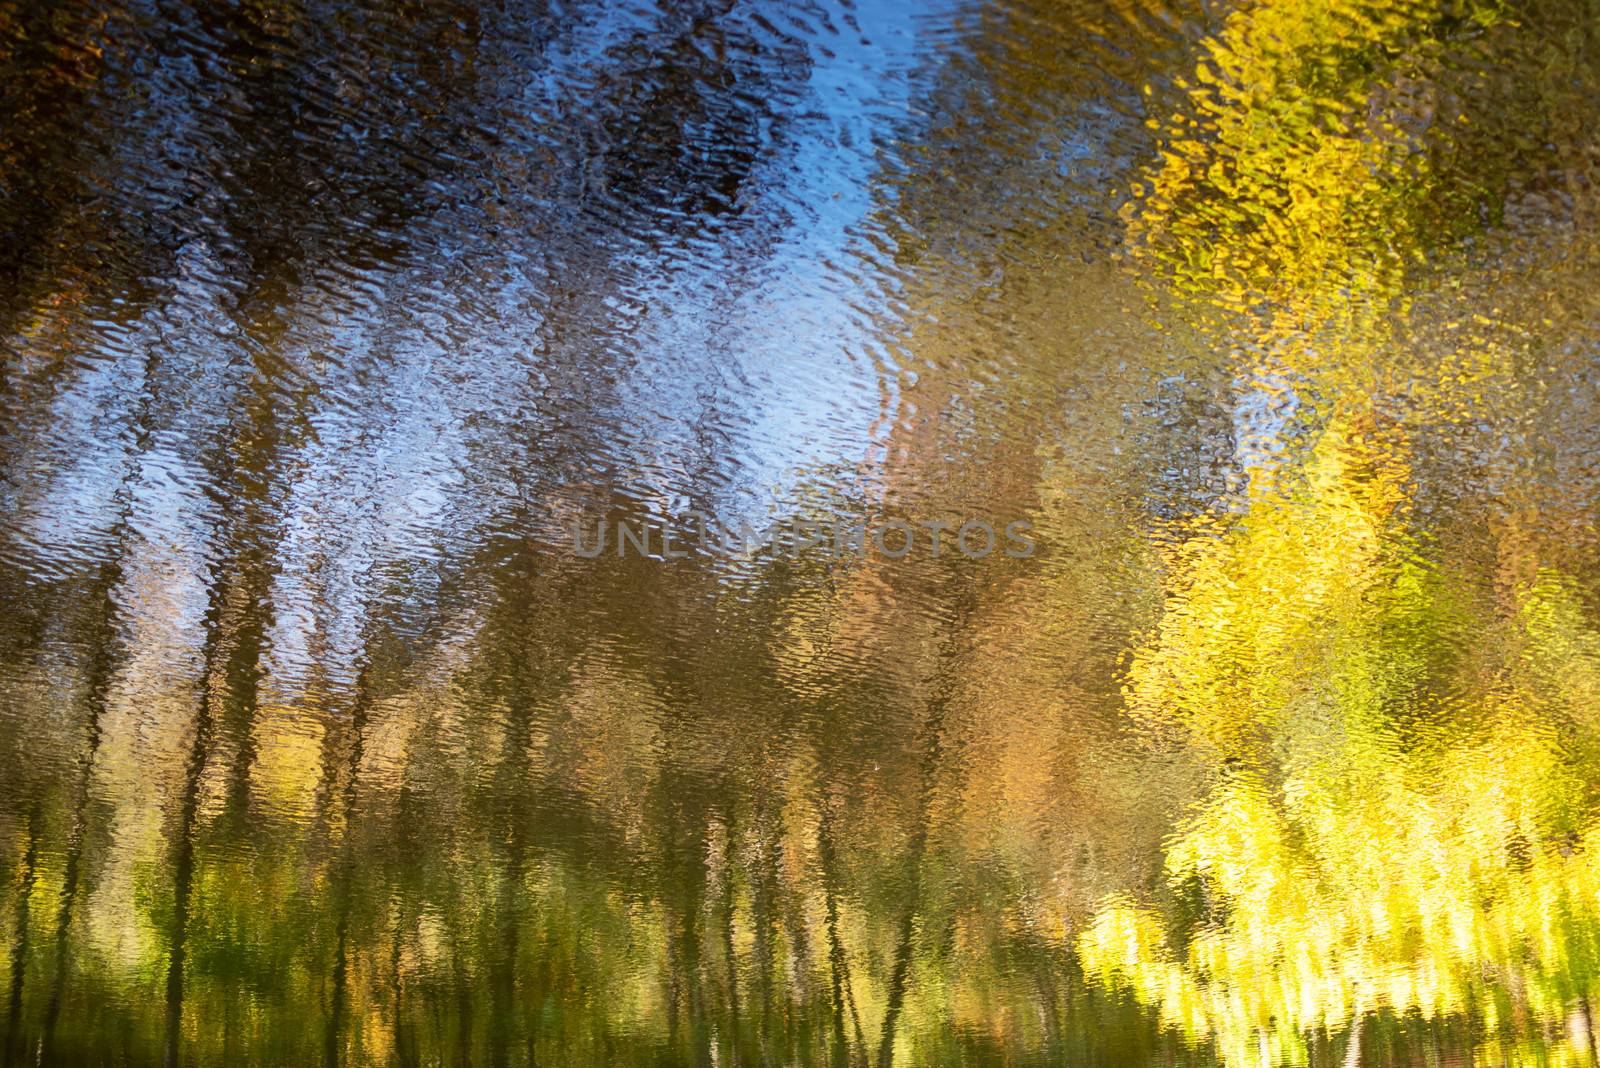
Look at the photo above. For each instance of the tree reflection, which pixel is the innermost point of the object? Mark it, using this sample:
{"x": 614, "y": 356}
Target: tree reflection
{"x": 327, "y": 321}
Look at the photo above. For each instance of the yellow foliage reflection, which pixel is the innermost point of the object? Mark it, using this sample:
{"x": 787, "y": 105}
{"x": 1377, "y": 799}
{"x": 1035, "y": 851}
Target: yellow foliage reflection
{"x": 1377, "y": 838}
{"x": 1401, "y": 816}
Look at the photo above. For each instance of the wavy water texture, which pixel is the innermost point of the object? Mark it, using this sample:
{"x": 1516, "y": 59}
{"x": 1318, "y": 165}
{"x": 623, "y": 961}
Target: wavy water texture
{"x": 1259, "y": 334}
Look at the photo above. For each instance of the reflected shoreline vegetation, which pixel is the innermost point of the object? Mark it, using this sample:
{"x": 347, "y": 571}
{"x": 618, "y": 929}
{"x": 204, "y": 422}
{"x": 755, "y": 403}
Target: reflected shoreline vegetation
{"x": 1256, "y": 341}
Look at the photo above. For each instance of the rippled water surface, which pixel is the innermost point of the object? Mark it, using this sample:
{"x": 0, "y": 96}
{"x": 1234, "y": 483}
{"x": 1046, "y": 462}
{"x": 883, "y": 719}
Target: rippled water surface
{"x": 841, "y": 533}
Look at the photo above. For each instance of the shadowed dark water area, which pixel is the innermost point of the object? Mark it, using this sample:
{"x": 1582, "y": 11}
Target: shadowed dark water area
{"x": 1254, "y": 344}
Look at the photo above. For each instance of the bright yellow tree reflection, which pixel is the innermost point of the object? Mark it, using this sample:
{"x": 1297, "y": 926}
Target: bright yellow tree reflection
{"x": 1403, "y": 799}
{"x": 1389, "y": 830}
